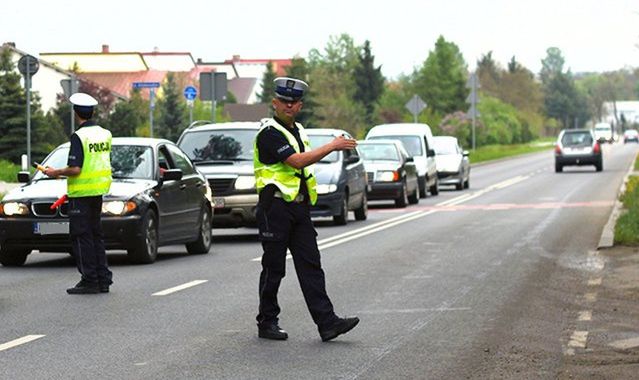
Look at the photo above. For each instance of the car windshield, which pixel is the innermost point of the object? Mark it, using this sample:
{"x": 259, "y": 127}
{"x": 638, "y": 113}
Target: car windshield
{"x": 127, "y": 161}
{"x": 373, "y": 152}
{"x": 445, "y": 146}
{"x": 219, "y": 145}
{"x": 319, "y": 140}
{"x": 576, "y": 139}
{"x": 411, "y": 143}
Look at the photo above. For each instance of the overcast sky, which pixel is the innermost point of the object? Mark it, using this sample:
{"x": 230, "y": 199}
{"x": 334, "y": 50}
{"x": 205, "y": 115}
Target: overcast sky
{"x": 593, "y": 35}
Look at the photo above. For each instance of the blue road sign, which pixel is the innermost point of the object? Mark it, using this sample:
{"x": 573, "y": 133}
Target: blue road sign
{"x": 146, "y": 84}
{"x": 190, "y": 92}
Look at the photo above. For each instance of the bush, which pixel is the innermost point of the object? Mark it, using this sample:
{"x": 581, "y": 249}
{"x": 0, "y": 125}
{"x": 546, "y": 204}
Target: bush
{"x": 8, "y": 171}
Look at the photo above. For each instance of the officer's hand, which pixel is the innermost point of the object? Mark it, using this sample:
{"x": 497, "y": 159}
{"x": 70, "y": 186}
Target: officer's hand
{"x": 342, "y": 143}
{"x": 51, "y": 172}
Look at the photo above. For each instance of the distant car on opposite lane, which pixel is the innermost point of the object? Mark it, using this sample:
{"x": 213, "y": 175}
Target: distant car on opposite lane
{"x": 453, "y": 166}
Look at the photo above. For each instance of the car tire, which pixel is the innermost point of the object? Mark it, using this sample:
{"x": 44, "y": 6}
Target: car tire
{"x": 203, "y": 244}
{"x": 423, "y": 192}
{"x": 402, "y": 201}
{"x": 599, "y": 166}
{"x": 460, "y": 185}
{"x": 361, "y": 213}
{"x": 414, "y": 198}
{"x": 342, "y": 218}
{"x": 558, "y": 168}
{"x": 145, "y": 250}
{"x": 13, "y": 257}
{"x": 467, "y": 183}
{"x": 434, "y": 190}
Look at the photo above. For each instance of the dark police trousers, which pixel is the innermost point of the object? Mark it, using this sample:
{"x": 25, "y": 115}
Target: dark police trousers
{"x": 288, "y": 225}
{"x": 86, "y": 239}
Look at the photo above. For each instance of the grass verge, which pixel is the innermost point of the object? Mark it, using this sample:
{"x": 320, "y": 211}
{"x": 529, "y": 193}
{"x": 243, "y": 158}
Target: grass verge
{"x": 494, "y": 152}
{"x": 627, "y": 226}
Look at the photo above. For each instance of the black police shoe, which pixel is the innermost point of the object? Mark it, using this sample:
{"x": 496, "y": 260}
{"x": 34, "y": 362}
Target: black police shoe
{"x": 341, "y": 326}
{"x": 273, "y": 332}
{"x": 84, "y": 287}
{"x": 104, "y": 288}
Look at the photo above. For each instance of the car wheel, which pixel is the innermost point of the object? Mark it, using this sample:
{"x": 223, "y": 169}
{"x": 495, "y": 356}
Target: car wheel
{"x": 423, "y": 193}
{"x": 414, "y": 198}
{"x": 558, "y": 168}
{"x": 460, "y": 185}
{"x": 467, "y": 183}
{"x": 599, "y": 166}
{"x": 145, "y": 250}
{"x": 203, "y": 243}
{"x": 434, "y": 190}
{"x": 13, "y": 257}
{"x": 402, "y": 201}
{"x": 361, "y": 213}
{"x": 342, "y": 218}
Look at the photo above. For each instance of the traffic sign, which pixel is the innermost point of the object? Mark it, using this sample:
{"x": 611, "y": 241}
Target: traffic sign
{"x": 146, "y": 84}
{"x": 415, "y": 105}
{"x": 190, "y": 92}
{"x": 34, "y": 65}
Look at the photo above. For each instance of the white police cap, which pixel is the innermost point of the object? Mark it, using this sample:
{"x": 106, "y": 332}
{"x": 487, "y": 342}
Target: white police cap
{"x": 83, "y": 100}
{"x": 289, "y": 88}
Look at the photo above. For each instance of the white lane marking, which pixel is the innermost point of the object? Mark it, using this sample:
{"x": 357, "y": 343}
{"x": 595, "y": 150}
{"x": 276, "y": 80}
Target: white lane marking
{"x": 417, "y": 277}
{"x": 379, "y": 226}
{"x": 594, "y": 281}
{"x": 410, "y": 311}
{"x": 590, "y": 297}
{"x": 19, "y": 341}
{"x": 625, "y": 344}
{"x": 179, "y": 287}
{"x": 585, "y": 315}
{"x": 578, "y": 339}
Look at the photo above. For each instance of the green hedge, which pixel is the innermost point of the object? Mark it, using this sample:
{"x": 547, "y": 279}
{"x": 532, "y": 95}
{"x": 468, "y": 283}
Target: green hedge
{"x": 627, "y": 227}
{"x": 8, "y": 171}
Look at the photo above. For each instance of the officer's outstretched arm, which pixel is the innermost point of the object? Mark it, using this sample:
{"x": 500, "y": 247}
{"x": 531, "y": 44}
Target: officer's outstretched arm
{"x": 69, "y": 171}
{"x": 300, "y": 160}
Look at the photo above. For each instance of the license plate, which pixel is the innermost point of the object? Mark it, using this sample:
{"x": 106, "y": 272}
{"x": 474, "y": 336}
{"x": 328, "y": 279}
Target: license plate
{"x": 219, "y": 202}
{"x": 51, "y": 228}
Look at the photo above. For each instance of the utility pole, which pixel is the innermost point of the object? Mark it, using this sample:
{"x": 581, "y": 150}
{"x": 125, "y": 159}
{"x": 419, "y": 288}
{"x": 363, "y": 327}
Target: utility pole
{"x": 473, "y": 99}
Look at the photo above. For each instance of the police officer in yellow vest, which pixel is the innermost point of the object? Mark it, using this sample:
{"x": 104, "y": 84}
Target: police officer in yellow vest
{"x": 88, "y": 175}
{"x": 284, "y": 179}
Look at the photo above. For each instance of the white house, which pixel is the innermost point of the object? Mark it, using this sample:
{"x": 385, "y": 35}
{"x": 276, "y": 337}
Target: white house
{"x": 628, "y": 108}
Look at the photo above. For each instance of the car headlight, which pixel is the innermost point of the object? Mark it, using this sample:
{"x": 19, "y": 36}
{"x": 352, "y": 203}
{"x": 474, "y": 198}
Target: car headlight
{"x": 245, "y": 182}
{"x": 387, "y": 176}
{"x": 118, "y": 207}
{"x": 14, "y": 208}
{"x": 325, "y": 189}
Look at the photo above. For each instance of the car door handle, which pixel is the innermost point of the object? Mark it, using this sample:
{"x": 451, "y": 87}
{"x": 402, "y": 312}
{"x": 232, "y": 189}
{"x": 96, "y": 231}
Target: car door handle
{"x": 183, "y": 186}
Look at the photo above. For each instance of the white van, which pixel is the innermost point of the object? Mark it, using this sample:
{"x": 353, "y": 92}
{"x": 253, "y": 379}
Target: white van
{"x": 418, "y": 141}
{"x": 603, "y": 132}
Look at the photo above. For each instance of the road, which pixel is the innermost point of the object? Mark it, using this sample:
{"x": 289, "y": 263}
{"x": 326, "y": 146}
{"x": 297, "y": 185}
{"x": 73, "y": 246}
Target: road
{"x": 479, "y": 283}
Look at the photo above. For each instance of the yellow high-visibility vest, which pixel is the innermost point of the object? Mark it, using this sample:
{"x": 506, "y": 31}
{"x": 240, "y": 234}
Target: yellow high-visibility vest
{"x": 285, "y": 177}
{"x": 95, "y": 177}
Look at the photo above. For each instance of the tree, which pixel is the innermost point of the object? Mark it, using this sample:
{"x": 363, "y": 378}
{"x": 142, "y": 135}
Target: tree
{"x": 268, "y": 87}
{"x": 489, "y": 74}
{"x": 173, "y": 115}
{"x": 563, "y": 102}
{"x": 441, "y": 81}
{"x": 300, "y": 69}
{"x": 369, "y": 82}
{"x": 552, "y": 64}
{"x": 128, "y": 116}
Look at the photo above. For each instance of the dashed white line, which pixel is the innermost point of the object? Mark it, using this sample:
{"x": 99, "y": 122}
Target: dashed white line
{"x": 578, "y": 339}
{"x": 179, "y": 287}
{"x": 590, "y": 297}
{"x": 594, "y": 281}
{"x": 19, "y": 341}
{"x": 585, "y": 315}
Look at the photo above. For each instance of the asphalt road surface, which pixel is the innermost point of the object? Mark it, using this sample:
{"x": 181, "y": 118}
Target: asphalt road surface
{"x": 479, "y": 283}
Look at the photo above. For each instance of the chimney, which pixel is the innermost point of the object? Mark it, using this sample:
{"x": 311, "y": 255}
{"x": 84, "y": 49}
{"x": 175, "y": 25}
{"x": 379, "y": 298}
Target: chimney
{"x": 105, "y": 48}
{"x": 199, "y": 60}
{"x": 11, "y": 44}
{"x": 236, "y": 57}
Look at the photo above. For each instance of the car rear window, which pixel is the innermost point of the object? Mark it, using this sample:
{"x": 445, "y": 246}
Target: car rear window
{"x": 411, "y": 143}
{"x": 445, "y": 146}
{"x": 380, "y": 152}
{"x": 576, "y": 139}
{"x": 319, "y": 140}
{"x": 227, "y": 144}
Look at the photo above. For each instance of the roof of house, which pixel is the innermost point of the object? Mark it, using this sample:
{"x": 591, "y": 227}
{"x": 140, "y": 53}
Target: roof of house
{"x": 122, "y": 82}
{"x": 242, "y": 88}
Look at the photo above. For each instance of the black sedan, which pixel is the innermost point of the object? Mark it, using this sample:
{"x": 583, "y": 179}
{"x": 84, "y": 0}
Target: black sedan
{"x": 341, "y": 180}
{"x": 391, "y": 171}
{"x": 157, "y": 198}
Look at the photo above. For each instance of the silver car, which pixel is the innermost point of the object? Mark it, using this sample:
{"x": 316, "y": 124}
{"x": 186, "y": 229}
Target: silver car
{"x": 453, "y": 166}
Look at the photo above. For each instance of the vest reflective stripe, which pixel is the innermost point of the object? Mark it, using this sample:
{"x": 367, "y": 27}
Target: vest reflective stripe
{"x": 285, "y": 177}
{"x": 95, "y": 177}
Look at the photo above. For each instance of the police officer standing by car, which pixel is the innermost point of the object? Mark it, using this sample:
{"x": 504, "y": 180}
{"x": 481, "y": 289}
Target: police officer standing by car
{"x": 286, "y": 188}
{"x": 88, "y": 175}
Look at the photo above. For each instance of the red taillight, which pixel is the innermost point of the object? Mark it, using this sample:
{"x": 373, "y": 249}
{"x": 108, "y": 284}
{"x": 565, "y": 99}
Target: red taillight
{"x": 557, "y": 149}
{"x": 596, "y": 148}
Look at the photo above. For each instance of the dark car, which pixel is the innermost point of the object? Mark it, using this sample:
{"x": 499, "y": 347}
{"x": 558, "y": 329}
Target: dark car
{"x": 577, "y": 147}
{"x": 157, "y": 198}
{"x": 390, "y": 170}
{"x": 223, "y": 152}
{"x": 341, "y": 180}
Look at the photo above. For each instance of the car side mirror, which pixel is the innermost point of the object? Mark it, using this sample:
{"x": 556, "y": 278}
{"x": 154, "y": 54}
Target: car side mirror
{"x": 465, "y": 153}
{"x": 171, "y": 175}
{"x": 23, "y": 177}
{"x": 430, "y": 153}
{"x": 410, "y": 159}
{"x": 351, "y": 160}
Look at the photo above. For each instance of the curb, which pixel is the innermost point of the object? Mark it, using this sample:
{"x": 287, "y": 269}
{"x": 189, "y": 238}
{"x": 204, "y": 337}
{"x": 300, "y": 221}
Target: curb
{"x": 607, "y": 239}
